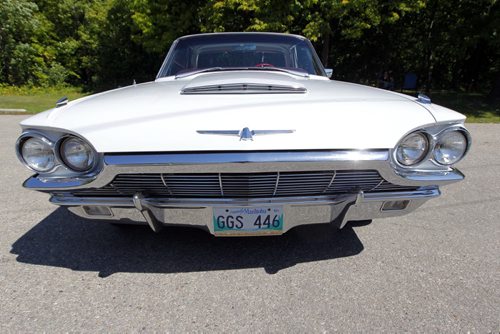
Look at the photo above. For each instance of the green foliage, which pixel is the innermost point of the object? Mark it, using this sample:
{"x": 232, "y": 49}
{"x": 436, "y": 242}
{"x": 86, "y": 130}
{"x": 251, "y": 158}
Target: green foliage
{"x": 157, "y": 23}
{"x": 101, "y": 44}
{"x": 19, "y": 57}
{"x": 119, "y": 59}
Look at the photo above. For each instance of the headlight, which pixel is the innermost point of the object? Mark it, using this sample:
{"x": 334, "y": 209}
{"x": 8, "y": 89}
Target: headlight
{"x": 37, "y": 154}
{"x": 450, "y": 147}
{"x": 412, "y": 149}
{"x": 77, "y": 154}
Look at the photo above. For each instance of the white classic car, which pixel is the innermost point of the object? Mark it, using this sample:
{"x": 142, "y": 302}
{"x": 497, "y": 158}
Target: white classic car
{"x": 243, "y": 134}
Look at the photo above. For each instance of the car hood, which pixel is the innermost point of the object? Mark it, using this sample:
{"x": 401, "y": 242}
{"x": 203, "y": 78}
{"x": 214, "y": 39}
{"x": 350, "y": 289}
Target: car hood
{"x": 156, "y": 117}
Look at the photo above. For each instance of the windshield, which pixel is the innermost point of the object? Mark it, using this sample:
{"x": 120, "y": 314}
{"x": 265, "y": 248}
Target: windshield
{"x": 241, "y": 50}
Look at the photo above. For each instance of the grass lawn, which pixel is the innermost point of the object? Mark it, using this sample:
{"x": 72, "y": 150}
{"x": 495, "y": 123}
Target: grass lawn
{"x": 35, "y": 100}
{"x": 477, "y": 108}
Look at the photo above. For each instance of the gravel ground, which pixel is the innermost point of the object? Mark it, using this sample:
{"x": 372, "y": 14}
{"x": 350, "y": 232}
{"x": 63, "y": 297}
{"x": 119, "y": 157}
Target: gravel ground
{"x": 436, "y": 270}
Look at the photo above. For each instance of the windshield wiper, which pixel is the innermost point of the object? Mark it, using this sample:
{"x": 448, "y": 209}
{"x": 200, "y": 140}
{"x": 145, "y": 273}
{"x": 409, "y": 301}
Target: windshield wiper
{"x": 279, "y": 69}
{"x": 217, "y": 69}
{"x": 201, "y": 70}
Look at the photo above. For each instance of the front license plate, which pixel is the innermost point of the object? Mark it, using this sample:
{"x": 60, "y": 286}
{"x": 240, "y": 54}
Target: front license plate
{"x": 248, "y": 220}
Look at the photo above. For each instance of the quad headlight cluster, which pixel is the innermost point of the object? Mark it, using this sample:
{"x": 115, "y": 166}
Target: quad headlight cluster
{"x": 42, "y": 155}
{"x": 446, "y": 148}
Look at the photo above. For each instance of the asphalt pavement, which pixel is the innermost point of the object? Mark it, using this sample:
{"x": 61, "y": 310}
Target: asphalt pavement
{"x": 435, "y": 270}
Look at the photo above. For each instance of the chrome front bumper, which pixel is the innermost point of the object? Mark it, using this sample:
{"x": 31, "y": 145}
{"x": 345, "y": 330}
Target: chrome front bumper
{"x": 157, "y": 212}
{"x": 198, "y": 212}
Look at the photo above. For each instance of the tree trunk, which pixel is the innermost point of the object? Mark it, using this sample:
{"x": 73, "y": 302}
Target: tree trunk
{"x": 430, "y": 70}
{"x": 325, "y": 52}
{"x": 430, "y": 58}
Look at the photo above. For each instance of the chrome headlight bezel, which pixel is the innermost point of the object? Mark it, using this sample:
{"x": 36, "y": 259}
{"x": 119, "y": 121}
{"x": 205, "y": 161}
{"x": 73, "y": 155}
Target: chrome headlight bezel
{"x": 426, "y": 153}
{"x": 27, "y": 136}
{"x": 439, "y": 137}
{"x": 64, "y": 160}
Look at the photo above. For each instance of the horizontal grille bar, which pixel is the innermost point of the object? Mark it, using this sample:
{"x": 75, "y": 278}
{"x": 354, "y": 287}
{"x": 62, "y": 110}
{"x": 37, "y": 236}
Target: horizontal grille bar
{"x": 215, "y": 185}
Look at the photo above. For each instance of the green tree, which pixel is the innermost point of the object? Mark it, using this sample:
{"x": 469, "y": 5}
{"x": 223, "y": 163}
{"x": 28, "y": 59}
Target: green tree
{"x": 454, "y": 42}
{"x": 106, "y": 43}
{"x": 157, "y": 23}
{"x": 18, "y": 55}
{"x": 121, "y": 58}
{"x": 71, "y": 35}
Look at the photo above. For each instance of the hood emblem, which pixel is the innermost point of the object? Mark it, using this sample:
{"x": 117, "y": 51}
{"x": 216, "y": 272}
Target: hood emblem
{"x": 244, "y": 134}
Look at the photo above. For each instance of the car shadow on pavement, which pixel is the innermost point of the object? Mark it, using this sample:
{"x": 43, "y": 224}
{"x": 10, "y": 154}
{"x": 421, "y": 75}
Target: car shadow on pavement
{"x": 67, "y": 241}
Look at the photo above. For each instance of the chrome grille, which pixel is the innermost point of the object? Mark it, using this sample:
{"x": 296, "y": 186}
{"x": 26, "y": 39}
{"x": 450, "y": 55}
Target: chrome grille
{"x": 246, "y": 184}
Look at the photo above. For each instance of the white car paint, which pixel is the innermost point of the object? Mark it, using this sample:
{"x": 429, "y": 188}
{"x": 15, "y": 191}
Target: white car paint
{"x": 155, "y": 117}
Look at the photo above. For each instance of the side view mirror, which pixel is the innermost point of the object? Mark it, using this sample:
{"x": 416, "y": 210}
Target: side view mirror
{"x": 329, "y": 72}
